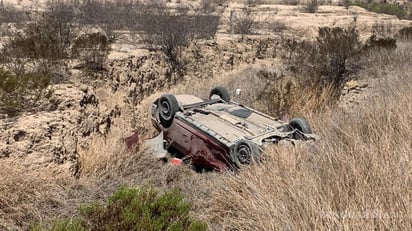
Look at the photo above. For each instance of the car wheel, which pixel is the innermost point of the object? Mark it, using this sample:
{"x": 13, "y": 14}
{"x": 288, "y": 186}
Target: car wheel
{"x": 301, "y": 125}
{"x": 245, "y": 153}
{"x": 222, "y": 92}
{"x": 168, "y": 106}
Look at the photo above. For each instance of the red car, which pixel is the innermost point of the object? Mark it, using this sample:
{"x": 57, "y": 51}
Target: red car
{"x": 217, "y": 133}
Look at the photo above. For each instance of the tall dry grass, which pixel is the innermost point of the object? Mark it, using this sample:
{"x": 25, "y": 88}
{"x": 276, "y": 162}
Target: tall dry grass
{"x": 359, "y": 176}
{"x": 35, "y": 195}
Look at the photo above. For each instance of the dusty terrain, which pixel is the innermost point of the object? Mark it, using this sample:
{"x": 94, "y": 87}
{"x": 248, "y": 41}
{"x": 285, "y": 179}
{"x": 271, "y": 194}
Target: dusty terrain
{"x": 51, "y": 162}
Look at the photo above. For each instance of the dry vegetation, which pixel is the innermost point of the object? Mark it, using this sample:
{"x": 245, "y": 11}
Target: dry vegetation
{"x": 359, "y": 174}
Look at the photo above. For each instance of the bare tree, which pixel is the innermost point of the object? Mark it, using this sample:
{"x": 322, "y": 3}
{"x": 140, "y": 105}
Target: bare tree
{"x": 170, "y": 33}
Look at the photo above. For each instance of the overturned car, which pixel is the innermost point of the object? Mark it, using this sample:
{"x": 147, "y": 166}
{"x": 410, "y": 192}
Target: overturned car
{"x": 218, "y": 133}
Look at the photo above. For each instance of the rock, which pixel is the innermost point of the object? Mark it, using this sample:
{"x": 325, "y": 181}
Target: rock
{"x": 352, "y": 84}
{"x": 4, "y": 152}
{"x": 84, "y": 88}
{"x": 45, "y": 137}
{"x": 363, "y": 85}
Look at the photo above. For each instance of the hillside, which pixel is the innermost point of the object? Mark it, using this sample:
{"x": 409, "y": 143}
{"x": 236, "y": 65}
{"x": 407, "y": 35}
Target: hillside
{"x": 68, "y": 148}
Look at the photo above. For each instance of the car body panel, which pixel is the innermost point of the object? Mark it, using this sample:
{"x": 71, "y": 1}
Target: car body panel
{"x": 203, "y": 149}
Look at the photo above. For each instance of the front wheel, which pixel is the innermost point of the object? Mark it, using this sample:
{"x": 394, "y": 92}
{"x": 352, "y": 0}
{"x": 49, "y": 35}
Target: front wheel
{"x": 168, "y": 106}
{"x": 222, "y": 92}
{"x": 245, "y": 152}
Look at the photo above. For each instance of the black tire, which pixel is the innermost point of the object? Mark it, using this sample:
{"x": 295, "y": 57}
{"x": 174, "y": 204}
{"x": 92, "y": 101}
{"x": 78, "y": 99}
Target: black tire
{"x": 301, "y": 125}
{"x": 222, "y": 92}
{"x": 168, "y": 106}
{"x": 244, "y": 153}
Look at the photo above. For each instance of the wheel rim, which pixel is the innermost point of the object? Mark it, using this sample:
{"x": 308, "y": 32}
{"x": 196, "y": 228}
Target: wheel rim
{"x": 244, "y": 154}
{"x": 214, "y": 95}
{"x": 165, "y": 109}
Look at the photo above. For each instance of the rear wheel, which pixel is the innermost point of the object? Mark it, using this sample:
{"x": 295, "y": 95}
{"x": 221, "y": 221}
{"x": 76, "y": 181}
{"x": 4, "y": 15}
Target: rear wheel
{"x": 245, "y": 153}
{"x": 300, "y": 124}
{"x": 168, "y": 106}
{"x": 222, "y": 92}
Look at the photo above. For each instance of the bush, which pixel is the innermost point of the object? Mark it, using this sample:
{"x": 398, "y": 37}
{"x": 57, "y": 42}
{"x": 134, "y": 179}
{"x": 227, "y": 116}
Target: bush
{"x": 170, "y": 33}
{"x": 47, "y": 42}
{"x": 254, "y": 2}
{"x": 278, "y": 27}
{"x": 48, "y": 38}
{"x": 311, "y": 6}
{"x": 44, "y": 43}
{"x": 62, "y": 225}
{"x": 374, "y": 42}
{"x": 110, "y": 15}
{"x": 261, "y": 49}
{"x": 244, "y": 23}
{"x": 207, "y": 6}
{"x": 211, "y": 5}
{"x": 10, "y": 14}
{"x": 335, "y": 46}
{"x": 345, "y": 3}
{"x": 383, "y": 8}
{"x": 135, "y": 209}
{"x": 405, "y": 33}
{"x": 19, "y": 92}
{"x": 327, "y": 62}
{"x": 92, "y": 50}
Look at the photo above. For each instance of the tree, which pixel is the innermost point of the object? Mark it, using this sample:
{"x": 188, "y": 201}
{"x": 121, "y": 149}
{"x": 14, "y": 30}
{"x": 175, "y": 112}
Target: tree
{"x": 170, "y": 33}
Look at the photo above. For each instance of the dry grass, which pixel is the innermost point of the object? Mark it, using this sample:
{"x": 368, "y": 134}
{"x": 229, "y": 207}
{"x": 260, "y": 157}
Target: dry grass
{"x": 358, "y": 176}
{"x": 28, "y": 196}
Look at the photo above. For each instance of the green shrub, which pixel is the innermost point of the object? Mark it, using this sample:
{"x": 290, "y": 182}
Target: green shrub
{"x": 74, "y": 224}
{"x": 135, "y": 209}
{"x": 383, "y": 8}
{"x": 19, "y": 92}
